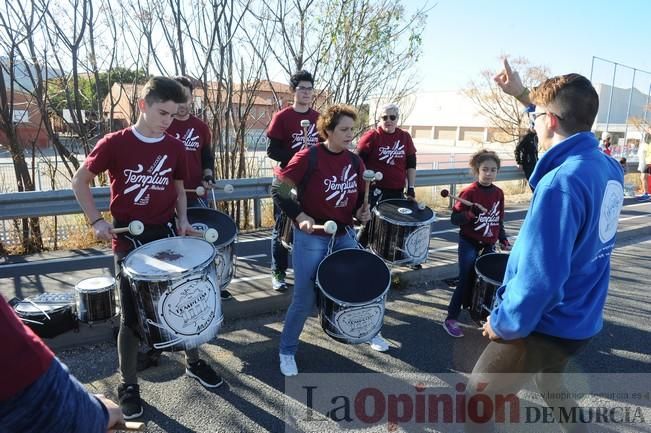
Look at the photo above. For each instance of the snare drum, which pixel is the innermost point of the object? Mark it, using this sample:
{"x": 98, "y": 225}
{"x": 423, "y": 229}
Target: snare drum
{"x": 176, "y": 291}
{"x": 96, "y": 299}
{"x": 399, "y": 231}
{"x": 204, "y": 218}
{"x": 286, "y": 230}
{"x": 490, "y": 270}
{"x": 352, "y": 289}
{"x": 48, "y": 314}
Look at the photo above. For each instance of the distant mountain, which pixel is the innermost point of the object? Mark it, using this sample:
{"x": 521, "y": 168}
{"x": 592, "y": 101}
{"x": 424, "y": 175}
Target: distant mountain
{"x": 22, "y": 78}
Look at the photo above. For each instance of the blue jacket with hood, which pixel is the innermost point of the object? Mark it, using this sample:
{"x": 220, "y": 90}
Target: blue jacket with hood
{"x": 557, "y": 275}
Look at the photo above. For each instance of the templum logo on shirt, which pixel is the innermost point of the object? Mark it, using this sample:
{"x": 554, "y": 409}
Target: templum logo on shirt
{"x": 155, "y": 178}
{"x": 390, "y": 154}
{"x": 339, "y": 188}
{"x": 298, "y": 139}
{"x": 488, "y": 220}
{"x": 189, "y": 139}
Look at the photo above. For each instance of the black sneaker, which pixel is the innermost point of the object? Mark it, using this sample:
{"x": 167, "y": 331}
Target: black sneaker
{"x": 204, "y": 374}
{"x": 148, "y": 359}
{"x": 130, "y": 403}
{"x": 416, "y": 267}
{"x": 225, "y": 295}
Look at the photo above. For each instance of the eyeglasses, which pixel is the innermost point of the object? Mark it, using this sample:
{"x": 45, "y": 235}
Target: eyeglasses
{"x": 534, "y": 116}
{"x": 392, "y": 117}
{"x": 306, "y": 89}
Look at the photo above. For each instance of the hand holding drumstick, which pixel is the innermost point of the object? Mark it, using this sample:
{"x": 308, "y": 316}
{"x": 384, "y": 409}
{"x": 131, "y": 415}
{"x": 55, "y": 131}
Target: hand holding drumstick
{"x": 446, "y": 193}
{"x": 305, "y": 124}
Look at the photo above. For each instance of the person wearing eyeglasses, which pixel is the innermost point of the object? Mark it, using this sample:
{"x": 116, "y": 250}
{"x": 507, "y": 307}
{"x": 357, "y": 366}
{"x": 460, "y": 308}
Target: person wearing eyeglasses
{"x": 391, "y": 151}
{"x": 551, "y": 302}
{"x": 286, "y": 137}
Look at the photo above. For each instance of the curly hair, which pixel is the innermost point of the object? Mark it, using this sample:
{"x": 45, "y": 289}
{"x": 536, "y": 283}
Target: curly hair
{"x": 481, "y": 156}
{"x": 573, "y": 100}
{"x": 329, "y": 119}
{"x": 298, "y": 77}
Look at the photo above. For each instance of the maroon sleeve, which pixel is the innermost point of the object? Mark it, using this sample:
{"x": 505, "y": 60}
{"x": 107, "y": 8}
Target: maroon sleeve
{"x": 296, "y": 168}
{"x": 99, "y": 159}
{"x": 364, "y": 144}
{"x": 410, "y": 149}
{"x": 276, "y": 129}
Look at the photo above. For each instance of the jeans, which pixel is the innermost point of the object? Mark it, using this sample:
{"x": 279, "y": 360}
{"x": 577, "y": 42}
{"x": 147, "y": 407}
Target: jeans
{"x": 309, "y": 252}
{"x": 467, "y": 253}
{"x": 279, "y": 254}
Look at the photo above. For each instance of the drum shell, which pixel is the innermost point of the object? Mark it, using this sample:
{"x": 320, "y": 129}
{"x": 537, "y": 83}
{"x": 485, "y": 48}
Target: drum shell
{"x": 400, "y": 239}
{"x": 180, "y": 311}
{"x": 286, "y": 231}
{"x": 490, "y": 269}
{"x": 62, "y": 315}
{"x": 96, "y": 305}
{"x": 205, "y": 218}
{"x": 352, "y": 321}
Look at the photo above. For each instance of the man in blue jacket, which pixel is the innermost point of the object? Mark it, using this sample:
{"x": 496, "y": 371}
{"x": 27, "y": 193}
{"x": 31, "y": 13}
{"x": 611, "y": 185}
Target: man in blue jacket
{"x": 551, "y": 302}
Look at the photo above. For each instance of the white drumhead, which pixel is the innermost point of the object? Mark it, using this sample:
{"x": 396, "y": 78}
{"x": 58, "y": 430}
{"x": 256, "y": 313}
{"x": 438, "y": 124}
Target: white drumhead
{"x": 95, "y": 284}
{"x": 168, "y": 257}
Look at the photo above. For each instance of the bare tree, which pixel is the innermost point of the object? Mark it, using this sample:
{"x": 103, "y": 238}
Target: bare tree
{"x": 504, "y": 112}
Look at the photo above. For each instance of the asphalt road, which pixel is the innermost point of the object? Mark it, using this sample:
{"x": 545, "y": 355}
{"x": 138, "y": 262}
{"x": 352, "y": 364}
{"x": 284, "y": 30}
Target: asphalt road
{"x": 254, "y": 398}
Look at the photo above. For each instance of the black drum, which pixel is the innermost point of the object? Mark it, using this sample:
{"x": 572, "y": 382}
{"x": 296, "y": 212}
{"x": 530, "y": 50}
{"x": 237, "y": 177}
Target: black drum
{"x": 399, "y": 231}
{"x": 96, "y": 299}
{"x": 490, "y": 270}
{"x": 48, "y": 314}
{"x": 353, "y": 286}
{"x": 286, "y": 230}
{"x": 202, "y": 218}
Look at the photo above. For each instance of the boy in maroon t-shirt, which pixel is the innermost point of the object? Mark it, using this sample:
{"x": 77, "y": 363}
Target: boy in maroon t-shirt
{"x": 147, "y": 169}
{"x": 286, "y": 137}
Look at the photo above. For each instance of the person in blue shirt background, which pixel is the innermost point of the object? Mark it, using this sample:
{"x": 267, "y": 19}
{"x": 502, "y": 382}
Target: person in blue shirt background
{"x": 551, "y": 302}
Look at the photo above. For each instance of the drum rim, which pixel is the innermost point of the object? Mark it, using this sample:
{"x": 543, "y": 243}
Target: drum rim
{"x": 54, "y": 308}
{"x": 101, "y": 290}
{"x": 169, "y": 276}
{"x": 217, "y": 243}
{"x": 489, "y": 280}
{"x": 403, "y": 223}
{"x": 352, "y": 304}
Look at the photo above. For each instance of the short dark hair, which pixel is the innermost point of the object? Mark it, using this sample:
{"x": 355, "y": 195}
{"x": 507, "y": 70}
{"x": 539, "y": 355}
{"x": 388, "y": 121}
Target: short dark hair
{"x": 573, "y": 99}
{"x": 298, "y": 77}
{"x": 329, "y": 119}
{"x": 185, "y": 82}
{"x": 162, "y": 89}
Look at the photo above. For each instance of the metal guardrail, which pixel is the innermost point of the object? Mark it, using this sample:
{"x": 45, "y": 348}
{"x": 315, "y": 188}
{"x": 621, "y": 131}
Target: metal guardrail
{"x": 62, "y": 202}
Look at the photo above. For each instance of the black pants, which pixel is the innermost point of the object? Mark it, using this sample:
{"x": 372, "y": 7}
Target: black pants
{"x": 505, "y": 366}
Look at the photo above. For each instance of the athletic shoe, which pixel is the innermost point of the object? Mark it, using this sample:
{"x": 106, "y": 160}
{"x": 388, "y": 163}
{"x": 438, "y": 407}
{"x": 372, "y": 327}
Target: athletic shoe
{"x": 129, "y": 398}
{"x": 225, "y": 295}
{"x": 378, "y": 343}
{"x": 288, "y": 365}
{"x": 204, "y": 374}
{"x": 644, "y": 197}
{"x": 278, "y": 281}
{"x": 451, "y": 326}
{"x": 416, "y": 267}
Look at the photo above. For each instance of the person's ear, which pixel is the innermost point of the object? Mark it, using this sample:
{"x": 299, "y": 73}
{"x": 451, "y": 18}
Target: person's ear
{"x": 141, "y": 104}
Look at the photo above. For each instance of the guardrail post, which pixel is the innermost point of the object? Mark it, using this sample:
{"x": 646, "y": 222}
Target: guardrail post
{"x": 257, "y": 214}
{"x": 453, "y": 191}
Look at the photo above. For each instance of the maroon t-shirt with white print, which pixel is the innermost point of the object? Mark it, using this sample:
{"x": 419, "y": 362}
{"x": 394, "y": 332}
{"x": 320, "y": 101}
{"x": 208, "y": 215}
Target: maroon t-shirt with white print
{"x": 333, "y": 187}
{"x": 286, "y": 127}
{"x": 484, "y": 227}
{"x": 195, "y": 136}
{"x": 142, "y": 172}
{"x": 387, "y": 153}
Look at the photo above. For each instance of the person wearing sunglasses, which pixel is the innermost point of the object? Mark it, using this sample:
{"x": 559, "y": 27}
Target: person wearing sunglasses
{"x": 551, "y": 301}
{"x": 391, "y": 151}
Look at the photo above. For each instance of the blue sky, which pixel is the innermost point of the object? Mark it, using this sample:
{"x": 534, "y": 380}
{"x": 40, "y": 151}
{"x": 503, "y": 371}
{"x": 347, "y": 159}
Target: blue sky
{"x": 464, "y": 37}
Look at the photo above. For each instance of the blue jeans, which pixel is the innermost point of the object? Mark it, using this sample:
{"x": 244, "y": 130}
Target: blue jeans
{"x": 279, "y": 254}
{"x": 309, "y": 250}
{"x": 467, "y": 253}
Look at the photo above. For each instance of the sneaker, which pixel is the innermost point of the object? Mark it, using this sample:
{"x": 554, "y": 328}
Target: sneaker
{"x": 451, "y": 326}
{"x": 130, "y": 403}
{"x": 378, "y": 343}
{"x": 644, "y": 197}
{"x": 288, "y": 365}
{"x": 225, "y": 295}
{"x": 204, "y": 374}
{"x": 278, "y": 281}
{"x": 416, "y": 267}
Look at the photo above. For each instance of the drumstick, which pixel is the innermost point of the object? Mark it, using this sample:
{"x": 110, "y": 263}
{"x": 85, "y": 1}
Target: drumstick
{"x": 446, "y": 193}
{"x": 378, "y": 176}
{"x": 135, "y": 228}
{"x": 305, "y": 124}
{"x": 368, "y": 176}
{"x": 210, "y": 235}
{"x": 330, "y": 227}
{"x": 129, "y": 426}
{"x": 200, "y": 190}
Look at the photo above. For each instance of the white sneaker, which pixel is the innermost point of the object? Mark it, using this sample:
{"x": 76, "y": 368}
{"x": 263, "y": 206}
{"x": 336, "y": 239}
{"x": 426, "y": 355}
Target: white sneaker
{"x": 288, "y": 365}
{"x": 378, "y": 343}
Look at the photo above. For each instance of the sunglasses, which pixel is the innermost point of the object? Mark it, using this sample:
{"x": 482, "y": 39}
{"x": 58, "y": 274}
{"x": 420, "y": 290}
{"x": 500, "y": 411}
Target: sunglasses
{"x": 391, "y": 117}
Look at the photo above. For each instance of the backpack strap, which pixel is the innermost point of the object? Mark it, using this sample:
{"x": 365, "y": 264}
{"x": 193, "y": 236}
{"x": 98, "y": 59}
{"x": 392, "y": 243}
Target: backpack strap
{"x": 312, "y": 154}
